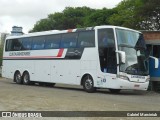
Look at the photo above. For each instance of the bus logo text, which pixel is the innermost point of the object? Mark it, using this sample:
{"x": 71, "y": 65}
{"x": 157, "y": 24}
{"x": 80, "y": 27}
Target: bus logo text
{"x": 19, "y": 54}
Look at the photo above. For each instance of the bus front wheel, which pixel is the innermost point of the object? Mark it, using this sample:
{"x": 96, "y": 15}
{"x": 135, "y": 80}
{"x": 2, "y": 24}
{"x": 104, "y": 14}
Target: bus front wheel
{"x": 88, "y": 84}
{"x": 18, "y": 78}
{"x": 26, "y": 78}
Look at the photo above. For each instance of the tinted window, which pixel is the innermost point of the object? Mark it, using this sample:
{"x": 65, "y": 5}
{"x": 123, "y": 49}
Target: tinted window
{"x": 149, "y": 49}
{"x": 8, "y": 45}
{"x": 69, "y": 40}
{"x": 106, "y": 48}
{"x": 13, "y": 45}
{"x": 105, "y": 37}
{"x": 86, "y": 39}
{"x": 38, "y": 43}
{"x": 52, "y": 42}
{"x": 156, "y": 51}
{"x": 26, "y": 43}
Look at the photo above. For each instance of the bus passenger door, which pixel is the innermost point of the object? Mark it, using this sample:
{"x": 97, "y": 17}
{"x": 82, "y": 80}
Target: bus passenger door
{"x": 107, "y": 56}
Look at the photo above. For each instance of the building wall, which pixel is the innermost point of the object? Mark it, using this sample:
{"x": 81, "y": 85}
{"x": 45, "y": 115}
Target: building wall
{"x": 151, "y": 36}
{"x": 16, "y": 31}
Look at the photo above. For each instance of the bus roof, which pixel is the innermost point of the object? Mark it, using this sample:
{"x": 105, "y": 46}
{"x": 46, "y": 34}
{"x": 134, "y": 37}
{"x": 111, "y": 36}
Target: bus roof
{"x": 50, "y": 32}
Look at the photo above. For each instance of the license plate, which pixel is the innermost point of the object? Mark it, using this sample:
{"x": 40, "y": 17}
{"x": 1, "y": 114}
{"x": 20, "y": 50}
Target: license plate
{"x": 137, "y": 76}
{"x": 136, "y": 86}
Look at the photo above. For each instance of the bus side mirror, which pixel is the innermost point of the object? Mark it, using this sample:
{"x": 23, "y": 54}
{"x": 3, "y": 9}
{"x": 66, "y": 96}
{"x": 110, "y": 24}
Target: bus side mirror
{"x": 156, "y": 61}
{"x": 122, "y": 56}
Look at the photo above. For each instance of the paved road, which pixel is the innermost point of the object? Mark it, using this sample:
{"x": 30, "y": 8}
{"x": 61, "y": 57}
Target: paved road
{"x": 73, "y": 98}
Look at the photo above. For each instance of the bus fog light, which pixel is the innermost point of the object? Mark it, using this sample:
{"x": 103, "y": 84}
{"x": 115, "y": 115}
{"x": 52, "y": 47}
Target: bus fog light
{"x": 148, "y": 79}
{"x": 123, "y": 77}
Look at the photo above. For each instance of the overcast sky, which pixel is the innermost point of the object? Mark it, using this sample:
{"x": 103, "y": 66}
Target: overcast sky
{"x": 25, "y": 13}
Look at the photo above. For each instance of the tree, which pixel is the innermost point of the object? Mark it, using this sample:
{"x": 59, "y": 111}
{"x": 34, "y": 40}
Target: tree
{"x": 125, "y": 15}
{"x": 75, "y": 17}
{"x": 137, "y": 14}
{"x": 41, "y": 25}
{"x": 54, "y": 21}
{"x": 69, "y": 18}
{"x": 149, "y": 15}
{"x": 99, "y": 17}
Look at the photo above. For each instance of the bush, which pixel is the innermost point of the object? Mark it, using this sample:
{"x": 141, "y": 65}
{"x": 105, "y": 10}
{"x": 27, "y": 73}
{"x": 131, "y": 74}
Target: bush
{"x": 1, "y": 55}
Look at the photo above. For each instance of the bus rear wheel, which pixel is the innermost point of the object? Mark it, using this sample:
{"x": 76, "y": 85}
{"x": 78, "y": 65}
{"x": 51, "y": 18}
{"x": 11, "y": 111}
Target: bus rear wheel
{"x": 18, "y": 78}
{"x": 115, "y": 91}
{"x": 26, "y": 78}
{"x": 88, "y": 84}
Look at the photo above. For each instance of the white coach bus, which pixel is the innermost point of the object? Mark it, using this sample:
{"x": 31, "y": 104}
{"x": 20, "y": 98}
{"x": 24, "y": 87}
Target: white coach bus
{"x": 96, "y": 57}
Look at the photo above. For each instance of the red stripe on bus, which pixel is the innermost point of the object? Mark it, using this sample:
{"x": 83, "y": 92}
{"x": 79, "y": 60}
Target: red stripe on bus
{"x": 28, "y": 57}
{"x": 31, "y": 57}
{"x": 70, "y": 30}
{"x": 60, "y": 53}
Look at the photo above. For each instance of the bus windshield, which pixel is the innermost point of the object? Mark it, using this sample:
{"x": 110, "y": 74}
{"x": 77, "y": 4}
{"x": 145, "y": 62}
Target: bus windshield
{"x": 132, "y": 43}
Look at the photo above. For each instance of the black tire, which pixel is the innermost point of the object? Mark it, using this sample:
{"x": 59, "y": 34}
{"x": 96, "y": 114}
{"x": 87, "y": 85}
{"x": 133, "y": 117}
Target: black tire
{"x": 26, "y": 78}
{"x": 18, "y": 78}
{"x": 88, "y": 84}
{"x": 115, "y": 91}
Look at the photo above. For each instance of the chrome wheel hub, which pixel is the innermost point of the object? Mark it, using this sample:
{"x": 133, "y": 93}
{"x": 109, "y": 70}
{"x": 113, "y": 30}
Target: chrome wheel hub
{"x": 88, "y": 83}
{"x": 25, "y": 78}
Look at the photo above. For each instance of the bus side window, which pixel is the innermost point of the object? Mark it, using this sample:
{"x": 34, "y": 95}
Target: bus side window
{"x": 26, "y": 43}
{"x": 52, "y": 42}
{"x": 69, "y": 40}
{"x": 16, "y": 45}
{"x": 8, "y": 45}
{"x": 86, "y": 39}
{"x": 38, "y": 43}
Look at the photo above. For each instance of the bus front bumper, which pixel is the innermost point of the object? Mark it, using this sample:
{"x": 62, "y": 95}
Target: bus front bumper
{"x": 125, "y": 84}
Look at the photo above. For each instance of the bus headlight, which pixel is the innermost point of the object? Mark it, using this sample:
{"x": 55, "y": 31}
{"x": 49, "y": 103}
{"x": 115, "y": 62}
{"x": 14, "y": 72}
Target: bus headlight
{"x": 148, "y": 79}
{"x": 123, "y": 77}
